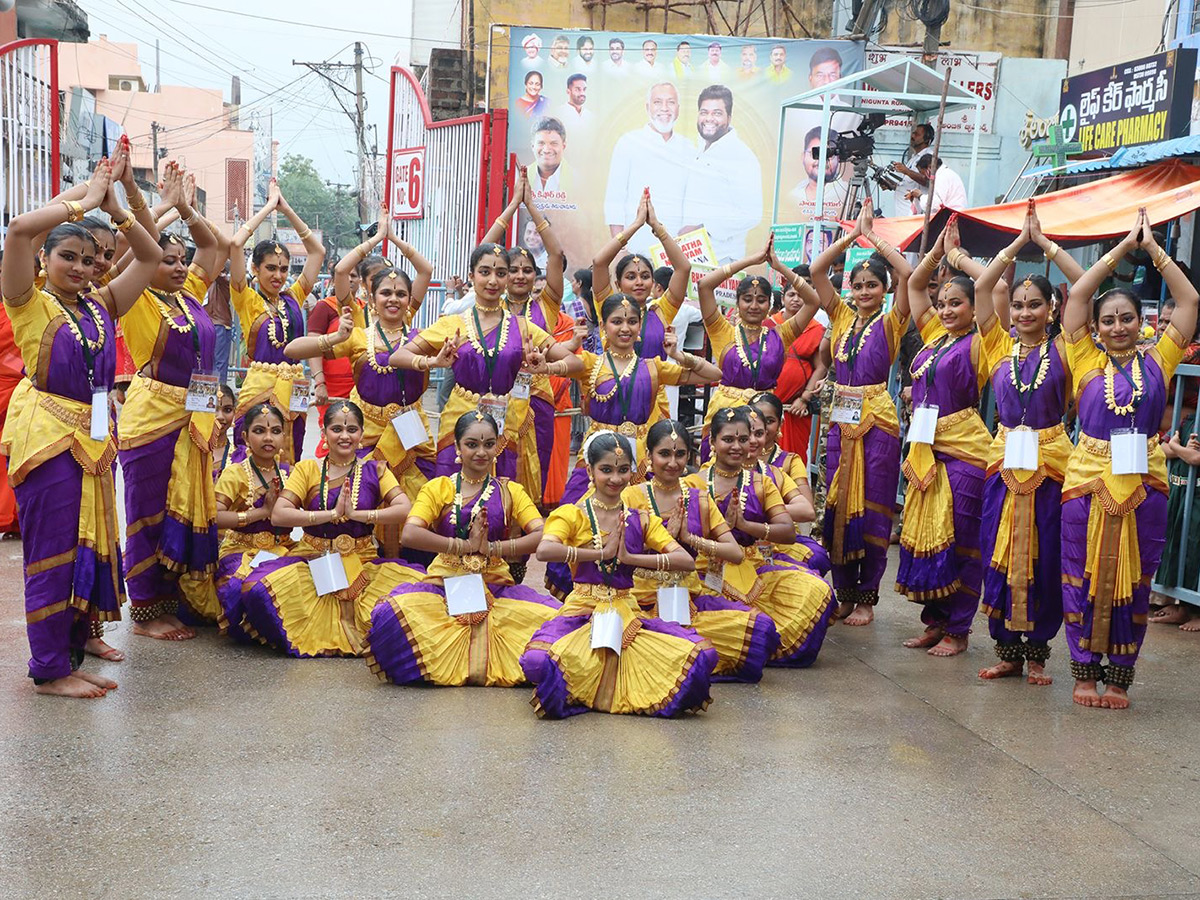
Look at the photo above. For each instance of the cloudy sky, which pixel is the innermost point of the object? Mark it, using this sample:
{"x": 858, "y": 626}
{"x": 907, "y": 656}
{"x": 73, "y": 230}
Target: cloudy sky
{"x": 205, "y": 43}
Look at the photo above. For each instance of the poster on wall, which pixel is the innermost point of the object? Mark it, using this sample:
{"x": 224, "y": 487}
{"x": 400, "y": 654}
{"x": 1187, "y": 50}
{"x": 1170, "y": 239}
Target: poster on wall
{"x": 598, "y": 116}
{"x": 974, "y": 72}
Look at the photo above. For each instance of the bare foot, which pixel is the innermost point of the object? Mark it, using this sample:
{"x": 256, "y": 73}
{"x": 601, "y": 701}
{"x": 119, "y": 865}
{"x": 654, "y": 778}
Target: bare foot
{"x": 1002, "y": 670}
{"x": 1171, "y": 615}
{"x": 864, "y": 614}
{"x": 70, "y": 687}
{"x": 932, "y": 635}
{"x": 97, "y": 647}
{"x": 1114, "y": 698}
{"x": 950, "y": 645}
{"x": 843, "y": 610}
{"x": 99, "y": 680}
{"x": 1192, "y": 624}
{"x": 178, "y": 623}
{"x": 1037, "y": 674}
{"x": 1085, "y": 693}
{"x": 164, "y": 629}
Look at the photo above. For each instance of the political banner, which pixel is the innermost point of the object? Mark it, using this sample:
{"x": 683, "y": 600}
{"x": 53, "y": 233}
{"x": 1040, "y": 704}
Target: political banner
{"x": 599, "y": 116}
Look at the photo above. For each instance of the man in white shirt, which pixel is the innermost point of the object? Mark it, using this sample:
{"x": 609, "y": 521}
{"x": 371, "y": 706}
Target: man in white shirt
{"x": 578, "y": 121}
{"x": 549, "y": 146}
{"x": 716, "y": 70}
{"x": 652, "y": 156}
{"x": 648, "y": 67}
{"x": 585, "y": 49}
{"x": 946, "y": 184}
{"x": 532, "y": 45}
{"x": 724, "y": 187}
{"x": 616, "y": 64}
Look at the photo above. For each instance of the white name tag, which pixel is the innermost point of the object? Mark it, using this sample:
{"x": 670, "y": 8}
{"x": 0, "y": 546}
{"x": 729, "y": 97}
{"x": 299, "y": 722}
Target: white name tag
{"x": 496, "y": 407}
{"x": 465, "y": 594}
{"x": 847, "y": 406}
{"x": 201, "y": 393}
{"x": 99, "y": 426}
{"x": 301, "y": 397}
{"x": 766, "y": 549}
{"x": 262, "y": 556}
{"x": 328, "y": 574}
{"x": 520, "y": 388}
{"x": 607, "y": 631}
{"x": 410, "y": 429}
{"x": 1130, "y": 452}
{"x": 675, "y": 605}
{"x": 924, "y": 425}
{"x": 714, "y": 578}
{"x": 1021, "y": 449}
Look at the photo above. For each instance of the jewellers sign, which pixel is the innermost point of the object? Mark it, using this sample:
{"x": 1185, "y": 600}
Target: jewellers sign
{"x": 1139, "y": 102}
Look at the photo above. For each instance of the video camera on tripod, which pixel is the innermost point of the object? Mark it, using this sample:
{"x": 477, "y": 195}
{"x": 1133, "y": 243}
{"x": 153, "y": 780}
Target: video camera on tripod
{"x": 856, "y": 147}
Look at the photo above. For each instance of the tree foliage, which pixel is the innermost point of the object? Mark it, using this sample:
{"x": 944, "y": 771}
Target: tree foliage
{"x": 334, "y": 211}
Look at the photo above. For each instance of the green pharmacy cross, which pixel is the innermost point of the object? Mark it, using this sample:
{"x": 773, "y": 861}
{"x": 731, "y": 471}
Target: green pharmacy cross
{"x": 1054, "y": 147}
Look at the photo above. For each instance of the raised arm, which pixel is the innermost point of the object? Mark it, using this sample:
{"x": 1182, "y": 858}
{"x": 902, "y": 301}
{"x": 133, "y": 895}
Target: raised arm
{"x": 900, "y": 267}
{"x": 554, "y": 254}
{"x": 1179, "y": 286}
{"x": 696, "y": 369}
{"x": 133, "y": 194}
{"x": 680, "y": 266}
{"x": 124, "y": 290}
{"x": 206, "y": 244}
{"x": 498, "y": 233}
{"x": 1076, "y": 314}
{"x": 829, "y": 293}
{"x": 604, "y": 258}
{"x": 918, "y": 282}
{"x": 989, "y": 280}
{"x": 348, "y": 263}
{"x": 314, "y": 248}
{"x": 804, "y": 315}
{"x": 1067, "y": 264}
{"x": 20, "y": 256}
{"x": 707, "y": 286}
{"x": 237, "y": 249}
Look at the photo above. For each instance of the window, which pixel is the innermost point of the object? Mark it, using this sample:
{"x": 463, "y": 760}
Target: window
{"x": 237, "y": 189}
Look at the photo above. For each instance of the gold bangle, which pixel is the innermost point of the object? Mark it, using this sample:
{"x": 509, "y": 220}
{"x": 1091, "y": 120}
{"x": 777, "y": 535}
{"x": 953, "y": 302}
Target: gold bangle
{"x": 661, "y": 232}
{"x": 243, "y": 518}
{"x": 623, "y": 238}
{"x": 884, "y": 247}
{"x": 302, "y": 235}
{"x": 136, "y": 200}
{"x": 1052, "y": 252}
{"x": 125, "y": 224}
{"x": 512, "y": 546}
{"x": 502, "y": 222}
{"x": 545, "y": 224}
{"x": 192, "y": 219}
{"x": 1108, "y": 260}
{"x": 726, "y": 271}
{"x": 1162, "y": 260}
{"x": 74, "y": 210}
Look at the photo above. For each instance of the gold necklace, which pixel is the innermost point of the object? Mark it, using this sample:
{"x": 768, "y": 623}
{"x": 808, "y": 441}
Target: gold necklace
{"x": 476, "y": 338}
{"x": 169, "y": 314}
{"x": 599, "y": 505}
{"x": 726, "y": 473}
{"x": 1135, "y": 374}
{"x": 1039, "y": 375}
{"x": 275, "y": 311}
{"x": 599, "y": 368}
{"x": 842, "y": 354}
{"x": 94, "y": 347}
{"x": 473, "y": 481}
{"x": 483, "y": 308}
{"x": 371, "y": 358}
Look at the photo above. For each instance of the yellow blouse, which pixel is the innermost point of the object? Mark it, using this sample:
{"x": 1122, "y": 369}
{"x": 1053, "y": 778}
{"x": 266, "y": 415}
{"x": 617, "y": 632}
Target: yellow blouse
{"x": 844, "y": 318}
{"x": 144, "y": 326}
{"x": 723, "y": 334}
{"x": 447, "y": 326}
{"x": 304, "y": 482}
{"x": 251, "y": 307}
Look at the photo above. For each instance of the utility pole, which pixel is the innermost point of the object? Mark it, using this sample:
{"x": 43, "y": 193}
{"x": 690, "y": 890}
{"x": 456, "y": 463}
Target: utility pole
{"x": 357, "y": 115}
{"x": 155, "y": 128}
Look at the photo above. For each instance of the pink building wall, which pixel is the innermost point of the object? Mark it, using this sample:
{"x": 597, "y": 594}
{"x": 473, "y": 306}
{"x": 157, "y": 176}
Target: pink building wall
{"x": 193, "y": 122}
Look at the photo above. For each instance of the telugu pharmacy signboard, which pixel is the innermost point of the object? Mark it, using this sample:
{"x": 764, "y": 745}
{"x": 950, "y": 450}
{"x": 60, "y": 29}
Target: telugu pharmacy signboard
{"x": 1139, "y": 102}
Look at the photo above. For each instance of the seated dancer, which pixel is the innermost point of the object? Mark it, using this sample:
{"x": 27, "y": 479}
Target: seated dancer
{"x": 744, "y": 638}
{"x": 1114, "y": 514}
{"x": 475, "y": 523}
{"x": 599, "y": 652}
{"x": 225, "y": 452}
{"x": 338, "y": 501}
{"x": 246, "y": 495}
{"x": 797, "y": 496}
{"x": 798, "y": 600}
{"x": 1021, "y": 534}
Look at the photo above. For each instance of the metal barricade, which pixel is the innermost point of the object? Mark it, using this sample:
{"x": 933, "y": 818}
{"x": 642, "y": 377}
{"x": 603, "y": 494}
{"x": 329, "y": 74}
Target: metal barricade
{"x": 29, "y": 127}
{"x": 1187, "y": 380}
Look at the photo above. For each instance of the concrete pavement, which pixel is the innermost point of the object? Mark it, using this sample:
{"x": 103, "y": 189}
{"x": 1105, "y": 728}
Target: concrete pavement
{"x": 223, "y": 771}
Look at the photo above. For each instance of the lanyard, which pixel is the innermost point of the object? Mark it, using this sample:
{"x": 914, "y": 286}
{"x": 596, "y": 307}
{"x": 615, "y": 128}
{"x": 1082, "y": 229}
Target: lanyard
{"x": 278, "y": 474}
{"x": 624, "y": 395}
{"x": 754, "y": 361}
{"x": 390, "y": 348}
{"x": 195, "y": 332}
{"x": 637, "y": 345}
{"x": 347, "y": 481}
{"x": 931, "y": 365}
{"x": 607, "y": 567}
{"x": 861, "y": 338}
{"x": 89, "y": 358}
{"x": 1135, "y": 399}
{"x": 288, "y": 336}
{"x": 492, "y": 356}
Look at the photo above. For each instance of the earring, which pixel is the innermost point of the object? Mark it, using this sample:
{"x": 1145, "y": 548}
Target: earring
{"x": 457, "y": 457}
